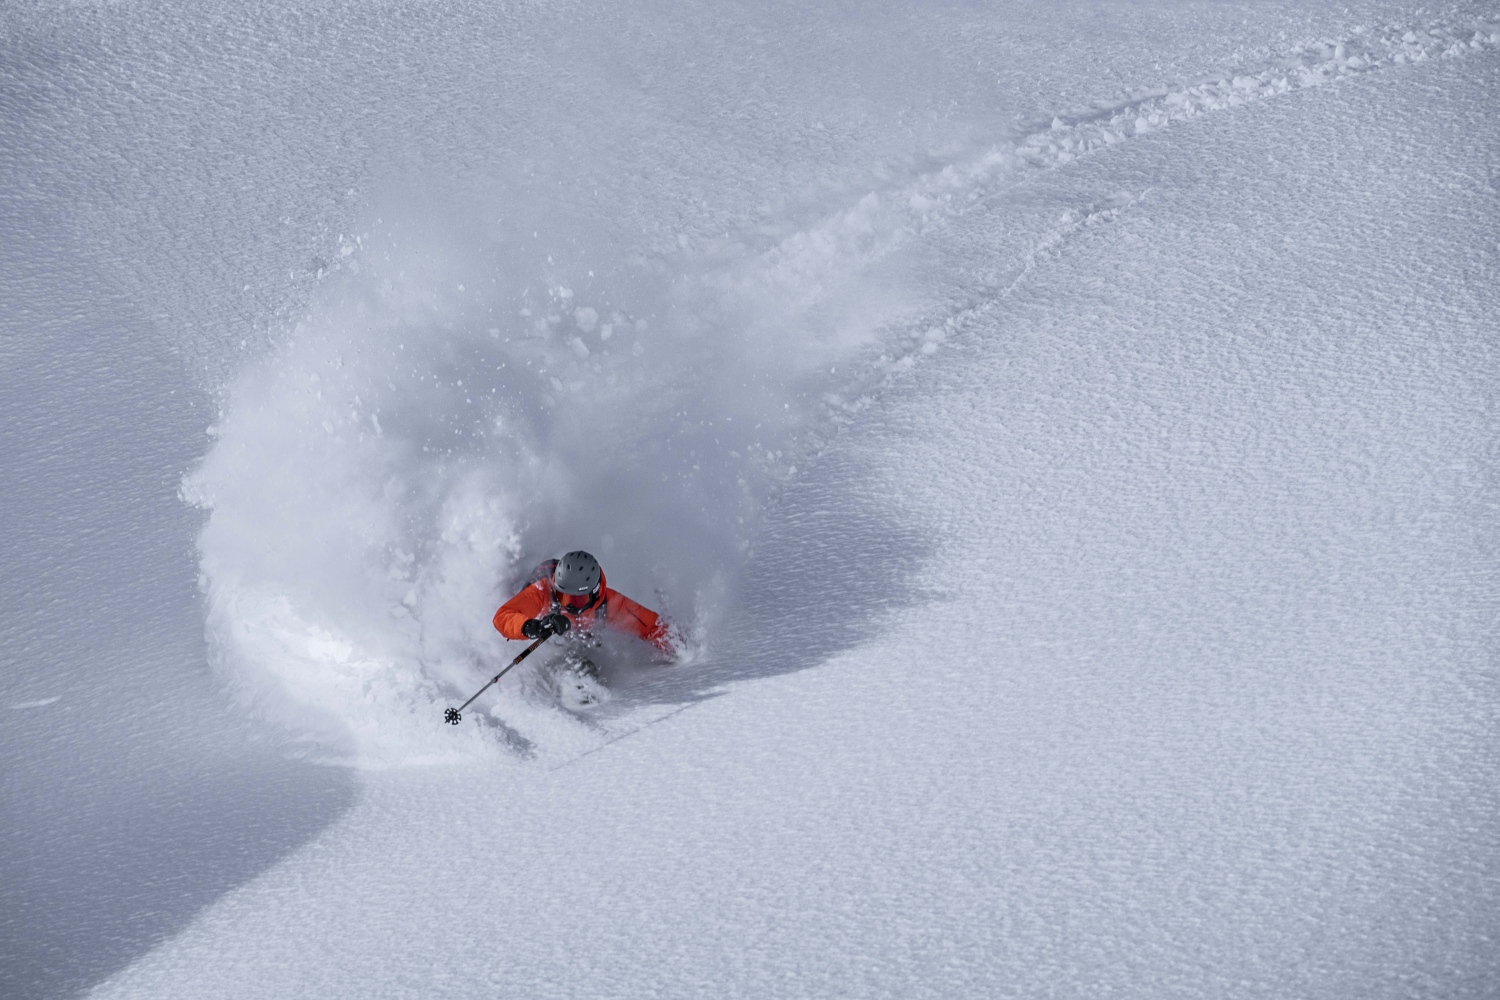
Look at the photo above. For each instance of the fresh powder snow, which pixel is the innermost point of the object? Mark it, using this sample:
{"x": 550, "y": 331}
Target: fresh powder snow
{"x": 1061, "y": 436}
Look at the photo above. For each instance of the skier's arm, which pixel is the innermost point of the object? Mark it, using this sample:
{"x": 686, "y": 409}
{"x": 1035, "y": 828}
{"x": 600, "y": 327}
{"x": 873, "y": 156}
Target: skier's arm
{"x": 627, "y": 616}
{"x": 529, "y": 603}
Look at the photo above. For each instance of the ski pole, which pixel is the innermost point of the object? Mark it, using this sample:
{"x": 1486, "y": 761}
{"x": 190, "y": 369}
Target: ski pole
{"x": 453, "y": 716}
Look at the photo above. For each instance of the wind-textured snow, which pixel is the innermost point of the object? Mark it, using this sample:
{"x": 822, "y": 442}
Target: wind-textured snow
{"x": 1062, "y": 436}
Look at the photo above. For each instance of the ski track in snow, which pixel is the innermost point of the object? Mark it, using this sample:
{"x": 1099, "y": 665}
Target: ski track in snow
{"x": 39, "y": 703}
{"x": 880, "y": 222}
{"x": 884, "y": 221}
{"x": 296, "y": 658}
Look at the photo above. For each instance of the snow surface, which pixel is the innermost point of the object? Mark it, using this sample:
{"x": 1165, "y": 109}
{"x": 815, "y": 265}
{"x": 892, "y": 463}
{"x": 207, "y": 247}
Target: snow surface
{"x": 1063, "y": 435}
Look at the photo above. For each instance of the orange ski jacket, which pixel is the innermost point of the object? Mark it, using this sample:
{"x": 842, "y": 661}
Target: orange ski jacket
{"x": 610, "y": 608}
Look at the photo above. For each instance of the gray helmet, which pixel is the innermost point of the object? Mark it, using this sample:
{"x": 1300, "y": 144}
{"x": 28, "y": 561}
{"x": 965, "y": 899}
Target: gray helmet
{"x": 576, "y": 573}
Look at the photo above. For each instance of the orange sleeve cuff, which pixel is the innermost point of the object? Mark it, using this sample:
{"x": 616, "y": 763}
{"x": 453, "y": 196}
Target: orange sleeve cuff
{"x": 514, "y": 612}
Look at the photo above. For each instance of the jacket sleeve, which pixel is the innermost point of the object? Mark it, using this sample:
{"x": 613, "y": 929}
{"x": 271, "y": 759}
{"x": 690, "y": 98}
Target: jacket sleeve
{"x": 514, "y": 612}
{"x": 625, "y": 615}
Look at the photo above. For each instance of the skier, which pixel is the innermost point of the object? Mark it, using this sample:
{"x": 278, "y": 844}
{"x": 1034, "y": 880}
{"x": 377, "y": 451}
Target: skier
{"x": 570, "y": 594}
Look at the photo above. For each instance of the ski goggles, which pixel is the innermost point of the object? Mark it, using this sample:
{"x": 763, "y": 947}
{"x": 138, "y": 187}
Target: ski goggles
{"x": 575, "y": 602}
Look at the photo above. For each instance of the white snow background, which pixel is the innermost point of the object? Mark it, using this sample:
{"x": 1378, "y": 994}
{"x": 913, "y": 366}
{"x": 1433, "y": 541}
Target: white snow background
{"x": 1062, "y": 434}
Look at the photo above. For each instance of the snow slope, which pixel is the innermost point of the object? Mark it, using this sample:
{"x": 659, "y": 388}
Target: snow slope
{"x": 389, "y": 472}
{"x": 786, "y": 312}
{"x": 133, "y": 793}
{"x": 1180, "y": 681}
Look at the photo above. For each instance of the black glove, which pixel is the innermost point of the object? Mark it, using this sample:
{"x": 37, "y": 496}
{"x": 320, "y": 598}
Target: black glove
{"x": 531, "y": 628}
{"x": 556, "y": 623}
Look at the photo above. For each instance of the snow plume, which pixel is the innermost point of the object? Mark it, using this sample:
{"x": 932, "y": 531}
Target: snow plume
{"x": 457, "y": 407}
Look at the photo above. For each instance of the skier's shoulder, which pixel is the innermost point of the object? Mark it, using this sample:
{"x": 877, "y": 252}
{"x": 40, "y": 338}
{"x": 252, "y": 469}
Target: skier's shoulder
{"x": 620, "y": 604}
{"x": 542, "y": 573}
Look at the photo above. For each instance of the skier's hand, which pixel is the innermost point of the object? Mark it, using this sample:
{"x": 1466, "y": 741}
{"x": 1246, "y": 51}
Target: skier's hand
{"x": 556, "y": 623}
{"x": 532, "y": 629}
